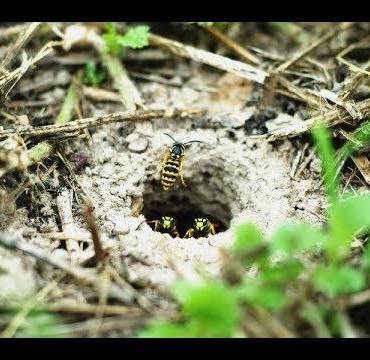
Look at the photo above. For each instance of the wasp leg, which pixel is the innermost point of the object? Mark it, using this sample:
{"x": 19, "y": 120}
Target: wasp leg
{"x": 189, "y": 233}
{"x": 175, "y": 233}
{"x": 155, "y": 222}
{"x": 165, "y": 157}
{"x": 180, "y": 172}
{"x": 212, "y": 229}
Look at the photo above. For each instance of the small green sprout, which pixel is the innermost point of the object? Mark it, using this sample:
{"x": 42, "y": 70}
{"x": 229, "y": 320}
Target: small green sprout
{"x": 93, "y": 76}
{"x": 135, "y": 38}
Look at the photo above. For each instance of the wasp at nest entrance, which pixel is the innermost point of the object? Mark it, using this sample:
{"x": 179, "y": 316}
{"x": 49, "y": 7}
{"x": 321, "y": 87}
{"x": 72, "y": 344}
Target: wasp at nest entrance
{"x": 185, "y": 213}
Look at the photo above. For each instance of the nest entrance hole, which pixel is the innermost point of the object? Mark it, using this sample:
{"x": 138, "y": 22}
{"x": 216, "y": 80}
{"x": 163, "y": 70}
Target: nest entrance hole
{"x": 186, "y": 204}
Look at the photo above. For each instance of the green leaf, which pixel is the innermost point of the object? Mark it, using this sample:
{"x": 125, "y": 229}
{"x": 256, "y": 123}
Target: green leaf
{"x": 326, "y": 153}
{"x": 112, "y": 40}
{"x": 247, "y": 237}
{"x": 212, "y": 307}
{"x": 291, "y": 238}
{"x": 93, "y": 76}
{"x": 41, "y": 325}
{"x": 359, "y": 138}
{"x": 347, "y": 217}
{"x": 136, "y": 37}
{"x": 335, "y": 280}
{"x": 282, "y": 273}
{"x": 259, "y": 295}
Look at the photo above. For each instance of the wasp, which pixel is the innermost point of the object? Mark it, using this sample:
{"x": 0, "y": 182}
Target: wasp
{"x": 171, "y": 167}
{"x": 166, "y": 224}
{"x": 202, "y": 227}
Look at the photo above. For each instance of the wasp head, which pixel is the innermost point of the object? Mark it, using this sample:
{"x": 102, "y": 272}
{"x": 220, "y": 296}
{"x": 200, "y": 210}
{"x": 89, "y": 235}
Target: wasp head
{"x": 168, "y": 222}
{"x": 200, "y": 224}
{"x": 177, "y": 150}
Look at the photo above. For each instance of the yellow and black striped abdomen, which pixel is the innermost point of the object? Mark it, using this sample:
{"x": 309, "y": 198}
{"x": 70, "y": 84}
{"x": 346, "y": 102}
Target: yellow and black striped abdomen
{"x": 170, "y": 173}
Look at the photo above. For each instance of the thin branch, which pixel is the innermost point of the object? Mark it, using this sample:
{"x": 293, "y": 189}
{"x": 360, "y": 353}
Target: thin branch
{"x": 329, "y": 118}
{"x": 205, "y": 57}
{"x": 306, "y": 50}
{"x": 129, "y": 94}
{"x": 44, "y": 149}
{"x": 230, "y": 43}
{"x": 8, "y": 81}
{"x": 126, "y": 88}
{"x": 21, "y": 316}
{"x": 14, "y": 242}
{"x": 21, "y": 42}
{"x": 64, "y": 204}
{"x": 90, "y": 219}
{"x": 78, "y": 125}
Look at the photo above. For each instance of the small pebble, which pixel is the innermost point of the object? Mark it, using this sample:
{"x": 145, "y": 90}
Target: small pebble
{"x": 315, "y": 166}
{"x": 60, "y": 254}
{"x": 137, "y": 143}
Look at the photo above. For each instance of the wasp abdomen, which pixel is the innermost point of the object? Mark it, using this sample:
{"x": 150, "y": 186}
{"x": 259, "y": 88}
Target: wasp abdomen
{"x": 171, "y": 169}
{"x": 170, "y": 173}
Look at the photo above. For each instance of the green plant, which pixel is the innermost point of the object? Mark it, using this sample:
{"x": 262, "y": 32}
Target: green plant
{"x": 93, "y": 75}
{"x": 22, "y": 322}
{"x": 301, "y": 270}
{"x": 41, "y": 324}
{"x": 135, "y": 38}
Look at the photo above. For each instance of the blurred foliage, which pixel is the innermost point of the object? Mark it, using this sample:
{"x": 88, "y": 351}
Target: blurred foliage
{"x": 42, "y": 325}
{"x": 34, "y": 323}
{"x": 306, "y": 270}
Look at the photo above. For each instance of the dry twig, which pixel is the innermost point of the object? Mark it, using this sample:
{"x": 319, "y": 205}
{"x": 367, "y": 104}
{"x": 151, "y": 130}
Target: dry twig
{"x": 307, "y": 49}
{"x": 64, "y": 204}
{"x": 14, "y": 242}
{"x": 241, "y": 51}
{"x": 78, "y": 125}
{"x": 221, "y": 62}
{"x": 21, "y": 42}
{"x": 329, "y": 118}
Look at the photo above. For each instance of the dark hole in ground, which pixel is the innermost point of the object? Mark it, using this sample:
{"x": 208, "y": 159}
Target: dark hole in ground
{"x": 360, "y": 316}
{"x": 184, "y": 205}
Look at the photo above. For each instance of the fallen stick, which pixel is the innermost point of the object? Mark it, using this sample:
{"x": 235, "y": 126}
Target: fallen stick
{"x": 64, "y": 204}
{"x": 329, "y": 118}
{"x": 129, "y": 95}
{"x": 353, "y": 83}
{"x": 21, "y": 42}
{"x": 77, "y": 308}
{"x": 363, "y": 165}
{"x": 21, "y": 316}
{"x": 89, "y": 216}
{"x": 299, "y": 93}
{"x": 44, "y": 149}
{"x": 306, "y": 50}
{"x": 205, "y": 57}
{"x": 8, "y": 81}
{"x": 81, "y": 124}
{"x": 14, "y": 242}
{"x": 97, "y": 94}
{"x": 10, "y": 32}
{"x": 240, "y": 50}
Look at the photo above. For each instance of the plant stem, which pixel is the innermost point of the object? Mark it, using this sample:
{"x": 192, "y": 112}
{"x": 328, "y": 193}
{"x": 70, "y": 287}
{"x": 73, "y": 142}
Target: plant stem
{"x": 44, "y": 149}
